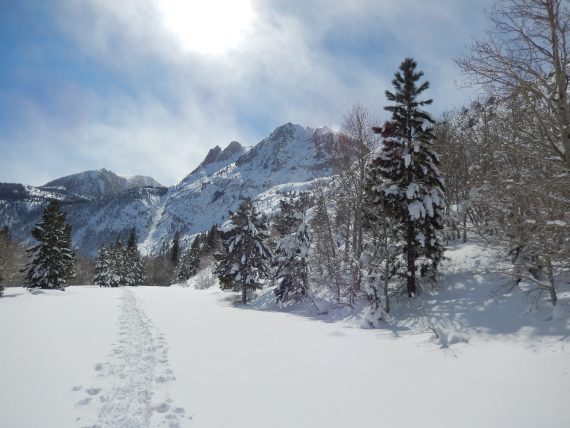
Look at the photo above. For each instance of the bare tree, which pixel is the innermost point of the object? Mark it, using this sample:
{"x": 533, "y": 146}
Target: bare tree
{"x": 525, "y": 192}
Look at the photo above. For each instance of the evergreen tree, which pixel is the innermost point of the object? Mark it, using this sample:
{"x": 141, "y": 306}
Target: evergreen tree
{"x": 292, "y": 251}
{"x": 245, "y": 260}
{"x": 189, "y": 264}
{"x": 292, "y": 268}
{"x": 175, "y": 250}
{"x": 51, "y": 260}
{"x": 134, "y": 267}
{"x": 116, "y": 264}
{"x": 404, "y": 176}
{"x": 102, "y": 274}
{"x": 212, "y": 241}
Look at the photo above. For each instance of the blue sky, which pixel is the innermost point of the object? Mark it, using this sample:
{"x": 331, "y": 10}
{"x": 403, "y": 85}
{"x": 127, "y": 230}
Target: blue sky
{"x": 148, "y": 86}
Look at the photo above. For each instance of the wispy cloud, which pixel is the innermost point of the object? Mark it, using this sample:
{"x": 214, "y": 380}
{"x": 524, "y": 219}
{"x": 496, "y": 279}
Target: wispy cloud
{"x": 105, "y": 84}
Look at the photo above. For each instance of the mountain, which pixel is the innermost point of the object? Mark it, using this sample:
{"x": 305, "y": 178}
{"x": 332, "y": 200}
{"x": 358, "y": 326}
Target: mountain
{"x": 95, "y": 184}
{"x": 102, "y": 206}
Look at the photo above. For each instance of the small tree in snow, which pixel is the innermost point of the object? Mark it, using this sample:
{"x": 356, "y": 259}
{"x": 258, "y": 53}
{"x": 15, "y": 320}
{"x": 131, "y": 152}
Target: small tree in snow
{"x": 404, "y": 175}
{"x": 188, "y": 266}
{"x": 133, "y": 264}
{"x": 175, "y": 249}
{"x": 51, "y": 259}
{"x": 117, "y": 264}
{"x": 292, "y": 252}
{"x": 102, "y": 274}
{"x": 245, "y": 260}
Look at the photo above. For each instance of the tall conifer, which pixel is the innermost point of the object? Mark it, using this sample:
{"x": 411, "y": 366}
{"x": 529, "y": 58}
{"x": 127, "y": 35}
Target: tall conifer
{"x": 404, "y": 175}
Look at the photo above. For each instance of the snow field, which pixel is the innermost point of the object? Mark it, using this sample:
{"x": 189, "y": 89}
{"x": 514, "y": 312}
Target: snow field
{"x": 177, "y": 357}
{"x": 239, "y": 367}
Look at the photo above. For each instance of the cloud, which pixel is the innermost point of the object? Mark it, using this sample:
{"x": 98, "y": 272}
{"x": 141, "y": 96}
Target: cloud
{"x": 129, "y": 97}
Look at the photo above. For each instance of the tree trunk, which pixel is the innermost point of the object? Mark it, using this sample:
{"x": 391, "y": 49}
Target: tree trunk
{"x": 244, "y": 294}
{"x": 552, "y": 289}
{"x": 411, "y": 260}
{"x": 563, "y": 112}
{"x": 386, "y": 280}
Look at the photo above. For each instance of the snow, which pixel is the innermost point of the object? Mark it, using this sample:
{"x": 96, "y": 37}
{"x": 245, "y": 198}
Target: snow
{"x": 416, "y": 210}
{"x": 411, "y": 190}
{"x": 153, "y": 356}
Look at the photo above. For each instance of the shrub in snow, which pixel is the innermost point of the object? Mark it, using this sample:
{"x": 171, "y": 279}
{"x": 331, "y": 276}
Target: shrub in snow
{"x": 205, "y": 279}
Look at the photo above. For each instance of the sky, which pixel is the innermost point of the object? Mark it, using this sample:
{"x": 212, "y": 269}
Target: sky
{"x": 149, "y": 86}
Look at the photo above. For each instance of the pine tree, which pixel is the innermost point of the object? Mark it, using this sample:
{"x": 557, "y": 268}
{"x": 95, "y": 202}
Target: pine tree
{"x": 175, "y": 250}
{"x": 102, "y": 274}
{"x": 245, "y": 260}
{"x": 116, "y": 264}
{"x": 292, "y": 251}
{"x": 134, "y": 267}
{"x": 51, "y": 260}
{"x": 404, "y": 176}
{"x": 189, "y": 264}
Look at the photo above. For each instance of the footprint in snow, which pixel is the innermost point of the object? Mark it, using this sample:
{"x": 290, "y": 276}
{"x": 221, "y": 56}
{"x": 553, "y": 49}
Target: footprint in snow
{"x": 93, "y": 391}
{"x": 83, "y": 402}
{"x": 76, "y": 388}
{"x": 162, "y": 408}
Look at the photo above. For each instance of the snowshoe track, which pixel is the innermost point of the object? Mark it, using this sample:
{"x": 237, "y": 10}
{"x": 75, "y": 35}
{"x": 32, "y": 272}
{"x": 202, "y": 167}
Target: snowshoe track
{"x": 139, "y": 370}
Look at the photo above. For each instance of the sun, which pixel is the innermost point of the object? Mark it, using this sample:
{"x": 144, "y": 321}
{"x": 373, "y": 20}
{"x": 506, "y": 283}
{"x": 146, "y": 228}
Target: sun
{"x": 207, "y": 26}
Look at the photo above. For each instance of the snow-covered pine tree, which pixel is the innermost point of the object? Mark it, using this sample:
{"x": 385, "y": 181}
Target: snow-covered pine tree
{"x": 188, "y": 264}
{"x": 245, "y": 260}
{"x": 116, "y": 256}
{"x": 51, "y": 259}
{"x": 404, "y": 175}
{"x": 175, "y": 249}
{"x": 292, "y": 251}
{"x": 102, "y": 274}
{"x": 134, "y": 267}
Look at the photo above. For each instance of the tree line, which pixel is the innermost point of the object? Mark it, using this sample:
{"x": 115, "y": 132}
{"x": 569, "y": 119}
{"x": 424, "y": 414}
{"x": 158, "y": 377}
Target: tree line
{"x": 378, "y": 227}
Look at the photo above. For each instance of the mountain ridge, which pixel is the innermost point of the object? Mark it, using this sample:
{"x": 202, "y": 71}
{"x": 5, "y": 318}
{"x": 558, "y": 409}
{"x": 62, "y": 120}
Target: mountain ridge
{"x": 203, "y": 198}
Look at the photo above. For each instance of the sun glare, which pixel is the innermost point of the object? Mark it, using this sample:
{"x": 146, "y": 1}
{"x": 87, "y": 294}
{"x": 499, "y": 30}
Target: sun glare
{"x": 207, "y": 26}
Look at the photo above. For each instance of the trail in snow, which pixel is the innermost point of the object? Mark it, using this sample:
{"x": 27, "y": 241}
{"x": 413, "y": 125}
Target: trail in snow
{"x": 136, "y": 373}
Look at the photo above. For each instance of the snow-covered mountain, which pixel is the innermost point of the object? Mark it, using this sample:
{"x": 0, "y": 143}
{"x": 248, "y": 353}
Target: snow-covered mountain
{"x": 98, "y": 183}
{"x": 102, "y": 205}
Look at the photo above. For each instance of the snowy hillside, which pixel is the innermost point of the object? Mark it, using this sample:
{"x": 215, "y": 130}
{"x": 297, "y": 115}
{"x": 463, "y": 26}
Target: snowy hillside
{"x": 179, "y": 357}
{"x": 102, "y": 205}
{"x": 94, "y": 184}
{"x": 204, "y": 197}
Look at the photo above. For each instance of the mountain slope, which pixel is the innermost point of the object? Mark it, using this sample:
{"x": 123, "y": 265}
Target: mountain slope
{"x": 101, "y": 205}
{"x": 94, "y": 184}
{"x": 204, "y": 198}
